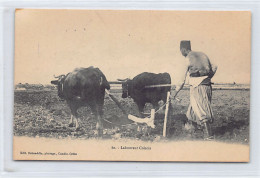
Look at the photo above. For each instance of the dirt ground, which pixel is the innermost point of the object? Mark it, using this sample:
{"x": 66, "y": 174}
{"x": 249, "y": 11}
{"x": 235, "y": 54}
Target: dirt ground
{"x": 42, "y": 114}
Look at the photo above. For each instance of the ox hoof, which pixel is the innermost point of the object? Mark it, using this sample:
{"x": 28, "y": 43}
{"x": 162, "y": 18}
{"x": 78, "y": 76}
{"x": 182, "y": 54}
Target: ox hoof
{"x": 99, "y": 126}
{"x": 100, "y": 132}
{"x": 210, "y": 138}
{"x": 70, "y": 124}
{"x": 77, "y": 129}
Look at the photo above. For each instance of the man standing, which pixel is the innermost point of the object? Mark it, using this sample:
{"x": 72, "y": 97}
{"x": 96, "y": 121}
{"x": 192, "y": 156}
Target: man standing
{"x": 200, "y": 70}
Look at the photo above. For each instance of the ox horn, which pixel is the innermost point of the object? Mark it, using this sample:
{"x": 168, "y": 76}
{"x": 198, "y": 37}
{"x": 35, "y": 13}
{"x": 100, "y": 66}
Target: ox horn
{"x": 122, "y": 80}
{"x": 59, "y": 76}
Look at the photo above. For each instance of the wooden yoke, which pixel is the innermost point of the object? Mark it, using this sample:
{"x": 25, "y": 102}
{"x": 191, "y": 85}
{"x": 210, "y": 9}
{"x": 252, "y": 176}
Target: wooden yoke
{"x": 158, "y": 86}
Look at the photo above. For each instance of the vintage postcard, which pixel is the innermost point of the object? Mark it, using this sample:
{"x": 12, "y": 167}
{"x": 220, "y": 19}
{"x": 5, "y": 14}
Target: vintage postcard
{"x": 132, "y": 85}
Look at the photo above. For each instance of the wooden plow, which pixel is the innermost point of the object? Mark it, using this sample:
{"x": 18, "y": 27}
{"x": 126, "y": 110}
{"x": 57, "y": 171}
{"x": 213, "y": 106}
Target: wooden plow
{"x": 147, "y": 120}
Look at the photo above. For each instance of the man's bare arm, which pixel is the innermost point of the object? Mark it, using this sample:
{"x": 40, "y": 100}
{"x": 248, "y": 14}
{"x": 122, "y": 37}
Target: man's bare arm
{"x": 214, "y": 69}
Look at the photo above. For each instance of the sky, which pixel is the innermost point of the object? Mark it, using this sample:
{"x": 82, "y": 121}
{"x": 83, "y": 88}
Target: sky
{"x": 128, "y": 42}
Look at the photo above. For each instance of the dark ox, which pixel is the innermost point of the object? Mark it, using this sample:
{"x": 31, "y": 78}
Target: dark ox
{"x": 83, "y": 87}
{"x": 135, "y": 89}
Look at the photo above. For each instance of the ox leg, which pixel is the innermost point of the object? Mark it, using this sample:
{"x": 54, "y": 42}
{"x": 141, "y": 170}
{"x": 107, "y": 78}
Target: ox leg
{"x": 155, "y": 106}
{"x": 141, "y": 108}
{"x": 77, "y": 123}
{"x": 99, "y": 117}
{"x": 100, "y": 112}
{"x": 74, "y": 108}
{"x": 77, "y": 120}
{"x": 99, "y": 125}
{"x": 95, "y": 109}
{"x": 71, "y": 120}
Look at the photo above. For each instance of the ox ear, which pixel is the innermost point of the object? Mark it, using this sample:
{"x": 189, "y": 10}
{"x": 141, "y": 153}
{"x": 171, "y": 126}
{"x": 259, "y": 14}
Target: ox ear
{"x": 54, "y": 82}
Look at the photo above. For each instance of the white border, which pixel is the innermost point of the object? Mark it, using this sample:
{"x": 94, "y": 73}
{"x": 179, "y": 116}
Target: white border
{"x": 8, "y": 167}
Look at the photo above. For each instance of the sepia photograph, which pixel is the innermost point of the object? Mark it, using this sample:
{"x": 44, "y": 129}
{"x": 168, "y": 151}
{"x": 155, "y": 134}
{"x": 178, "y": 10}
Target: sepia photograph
{"x": 132, "y": 85}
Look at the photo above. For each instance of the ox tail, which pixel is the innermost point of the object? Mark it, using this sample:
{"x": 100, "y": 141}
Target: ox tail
{"x": 105, "y": 83}
{"x": 103, "y": 80}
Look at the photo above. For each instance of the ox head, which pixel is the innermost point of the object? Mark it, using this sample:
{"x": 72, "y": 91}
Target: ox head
{"x": 59, "y": 82}
{"x": 126, "y": 87}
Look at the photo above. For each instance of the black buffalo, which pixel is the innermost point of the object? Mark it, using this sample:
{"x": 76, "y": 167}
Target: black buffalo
{"x": 135, "y": 89}
{"x": 83, "y": 87}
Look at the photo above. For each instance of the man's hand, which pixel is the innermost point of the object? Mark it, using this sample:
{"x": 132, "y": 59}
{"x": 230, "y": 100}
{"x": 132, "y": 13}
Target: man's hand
{"x": 176, "y": 91}
{"x": 172, "y": 97}
{"x": 179, "y": 87}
